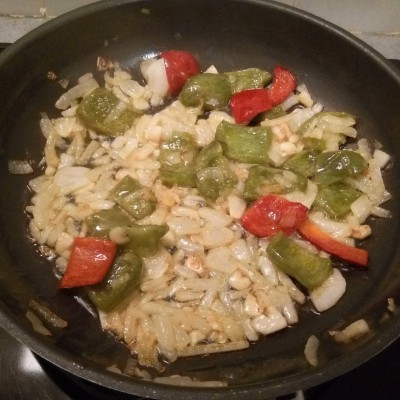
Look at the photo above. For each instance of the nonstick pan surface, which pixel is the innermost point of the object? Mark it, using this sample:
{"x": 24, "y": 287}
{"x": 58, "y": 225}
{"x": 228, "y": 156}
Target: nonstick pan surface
{"x": 340, "y": 71}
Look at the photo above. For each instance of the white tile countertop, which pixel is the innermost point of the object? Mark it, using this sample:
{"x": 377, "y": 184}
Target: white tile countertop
{"x": 376, "y": 22}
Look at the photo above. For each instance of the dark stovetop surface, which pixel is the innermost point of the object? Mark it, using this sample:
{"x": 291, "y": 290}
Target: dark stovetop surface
{"x": 26, "y": 376}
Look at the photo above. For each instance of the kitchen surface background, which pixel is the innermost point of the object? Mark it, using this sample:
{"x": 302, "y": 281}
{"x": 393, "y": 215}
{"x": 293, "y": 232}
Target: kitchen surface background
{"x": 376, "y": 22}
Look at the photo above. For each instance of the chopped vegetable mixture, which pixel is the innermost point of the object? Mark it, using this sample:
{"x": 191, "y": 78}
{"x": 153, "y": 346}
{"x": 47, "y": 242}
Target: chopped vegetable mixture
{"x": 198, "y": 228}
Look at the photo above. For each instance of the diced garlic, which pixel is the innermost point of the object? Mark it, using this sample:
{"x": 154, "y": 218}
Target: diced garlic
{"x": 212, "y": 236}
{"x": 272, "y": 322}
{"x": 236, "y": 206}
{"x": 251, "y": 306}
{"x": 361, "y": 231}
{"x": 238, "y": 281}
{"x": 215, "y": 217}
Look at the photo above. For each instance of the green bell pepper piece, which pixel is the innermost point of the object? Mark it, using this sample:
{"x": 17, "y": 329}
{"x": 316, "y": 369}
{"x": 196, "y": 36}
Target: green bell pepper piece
{"x": 315, "y": 144}
{"x": 121, "y": 281}
{"x": 335, "y": 200}
{"x": 100, "y": 223}
{"x": 144, "y": 239}
{"x": 214, "y": 180}
{"x": 244, "y": 143}
{"x": 304, "y": 163}
{"x": 177, "y": 156}
{"x": 209, "y": 91}
{"x": 307, "y": 268}
{"x": 275, "y": 112}
{"x": 207, "y": 155}
{"x": 251, "y": 78}
{"x": 306, "y": 126}
{"x": 213, "y": 174}
{"x": 334, "y": 166}
{"x": 132, "y": 197}
{"x": 263, "y": 180}
{"x": 181, "y": 176}
{"x": 100, "y": 111}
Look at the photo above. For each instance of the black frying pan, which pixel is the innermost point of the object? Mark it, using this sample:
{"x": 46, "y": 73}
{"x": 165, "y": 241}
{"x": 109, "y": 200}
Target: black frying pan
{"x": 340, "y": 71}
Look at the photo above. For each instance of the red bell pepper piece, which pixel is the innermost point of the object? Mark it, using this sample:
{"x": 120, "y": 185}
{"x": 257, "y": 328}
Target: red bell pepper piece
{"x": 247, "y": 104}
{"x": 90, "y": 260}
{"x": 325, "y": 242}
{"x": 180, "y": 66}
{"x": 272, "y": 214}
{"x": 284, "y": 83}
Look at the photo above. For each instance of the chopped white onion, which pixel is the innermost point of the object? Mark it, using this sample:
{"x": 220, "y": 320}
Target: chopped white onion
{"x": 272, "y": 322}
{"x": 212, "y": 69}
{"x": 306, "y": 198}
{"x": 69, "y": 179}
{"x": 178, "y": 380}
{"x": 291, "y": 101}
{"x": 339, "y": 230}
{"x": 154, "y": 72}
{"x": 241, "y": 252}
{"x": 220, "y": 259}
{"x": 213, "y": 348}
{"x": 311, "y": 349}
{"x": 47, "y": 315}
{"x": 236, "y": 206}
{"x": 363, "y": 148}
{"x": 353, "y": 331}
{"x": 293, "y": 119}
{"x": 86, "y": 85}
{"x": 304, "y": 96}
{"x": 381, "y": 157}
{"x": 361, "y": 208}
{"x": 19, "y": 167}
{"x": 330, "y": 292}
{"x": 215, "y": 217}
{"x": 380, "y": 212}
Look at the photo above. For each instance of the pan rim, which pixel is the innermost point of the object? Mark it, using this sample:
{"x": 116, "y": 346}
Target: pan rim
{"x": 125, "y": 384}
